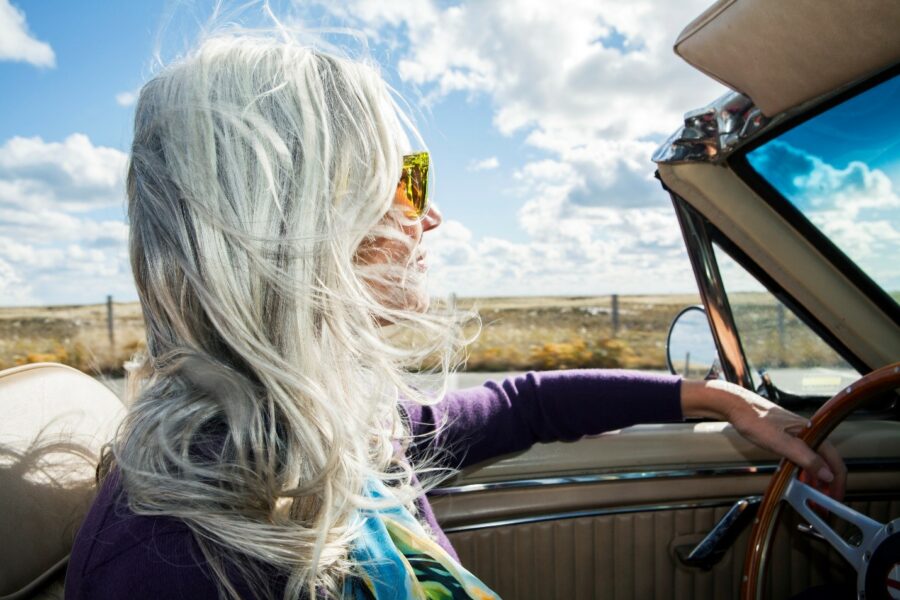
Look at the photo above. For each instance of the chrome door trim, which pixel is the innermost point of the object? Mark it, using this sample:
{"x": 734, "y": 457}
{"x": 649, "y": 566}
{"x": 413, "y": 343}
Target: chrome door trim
{"x": 712, "y": 292}
{"x": 712, "y": 471}
{"x": 605, "y": 477}
{"x": 599, "y": 512}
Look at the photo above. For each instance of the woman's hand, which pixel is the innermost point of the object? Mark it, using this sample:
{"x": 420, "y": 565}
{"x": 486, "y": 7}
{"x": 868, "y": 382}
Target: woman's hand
{"x": 768, "y": 426}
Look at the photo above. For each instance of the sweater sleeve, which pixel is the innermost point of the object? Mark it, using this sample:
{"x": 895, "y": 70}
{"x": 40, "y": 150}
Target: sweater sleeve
{"x": 475, "y": 424}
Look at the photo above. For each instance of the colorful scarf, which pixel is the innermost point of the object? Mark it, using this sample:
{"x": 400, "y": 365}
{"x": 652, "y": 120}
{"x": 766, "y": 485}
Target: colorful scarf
{"x": 399, "y": 560}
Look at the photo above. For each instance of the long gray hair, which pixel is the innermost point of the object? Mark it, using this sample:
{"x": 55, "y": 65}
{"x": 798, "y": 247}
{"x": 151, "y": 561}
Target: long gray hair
{"x": 268, "y": 394}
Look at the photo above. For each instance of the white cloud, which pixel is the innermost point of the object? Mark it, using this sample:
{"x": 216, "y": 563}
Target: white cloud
{"x": 60, "y": 239}
{"x": 45, "y": 272}
{"x": 874, "y": 244}
{"x": 856, "y": 206}
{"x": 853, "y": 189}
{"x": 43, "y": 225}
{"x": 13, "y": 290}
{"x": 486, "y": 164}
{"x": 71, "y": 175}
{"x": 609, "y": 254}
{"x": 594, "y": 87}
{"x": 550, "y": 65}
{"x": 17, "y": 43}
{"x": 126, "y": 98}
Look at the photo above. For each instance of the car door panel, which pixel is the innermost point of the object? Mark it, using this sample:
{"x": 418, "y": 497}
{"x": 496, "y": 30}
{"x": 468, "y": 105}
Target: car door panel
{"x": 600, "y": 518}
{"x": 630, "y": 556}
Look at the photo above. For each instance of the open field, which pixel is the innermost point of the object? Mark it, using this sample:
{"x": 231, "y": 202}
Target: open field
{"x": 74, "y": 335}
{"x": 517, "y": 334}
{"x": 552, "y": 333}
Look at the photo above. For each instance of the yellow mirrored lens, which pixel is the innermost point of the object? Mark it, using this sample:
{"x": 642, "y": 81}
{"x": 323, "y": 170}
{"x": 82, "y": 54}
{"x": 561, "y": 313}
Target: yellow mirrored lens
{"x": 415, "y": 183}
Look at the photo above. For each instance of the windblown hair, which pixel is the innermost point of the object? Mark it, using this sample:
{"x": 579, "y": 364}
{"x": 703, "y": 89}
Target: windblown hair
{"x": 268, "y": 393}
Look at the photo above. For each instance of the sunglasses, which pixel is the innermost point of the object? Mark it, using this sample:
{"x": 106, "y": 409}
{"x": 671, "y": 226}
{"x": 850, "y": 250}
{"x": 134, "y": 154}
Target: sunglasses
{"x": 414, "y": 184}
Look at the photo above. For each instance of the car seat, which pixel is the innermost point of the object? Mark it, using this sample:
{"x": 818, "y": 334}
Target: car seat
{"x": 54, "y": 421}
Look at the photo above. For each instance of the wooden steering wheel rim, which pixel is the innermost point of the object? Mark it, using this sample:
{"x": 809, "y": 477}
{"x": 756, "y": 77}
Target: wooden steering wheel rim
{"x": 822, "y": 423}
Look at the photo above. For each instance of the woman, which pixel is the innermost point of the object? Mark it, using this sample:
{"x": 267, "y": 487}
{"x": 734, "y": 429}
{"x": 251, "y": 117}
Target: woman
{"x": 266, "y": 452}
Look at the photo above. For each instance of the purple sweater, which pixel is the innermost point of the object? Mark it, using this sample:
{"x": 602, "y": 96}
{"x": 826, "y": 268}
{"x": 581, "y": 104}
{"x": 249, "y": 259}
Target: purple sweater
{"x": 118, "y": 554}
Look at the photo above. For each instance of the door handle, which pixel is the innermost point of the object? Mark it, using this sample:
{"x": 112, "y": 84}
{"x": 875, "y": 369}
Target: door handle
{"x": 710, "y": 550}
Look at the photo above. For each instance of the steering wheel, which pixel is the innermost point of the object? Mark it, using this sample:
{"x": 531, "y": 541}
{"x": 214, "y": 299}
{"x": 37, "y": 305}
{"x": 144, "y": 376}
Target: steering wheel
{"x": 878, "y": 552}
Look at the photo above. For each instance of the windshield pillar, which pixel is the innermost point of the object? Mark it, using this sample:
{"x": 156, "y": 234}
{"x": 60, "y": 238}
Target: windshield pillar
{"x": 712, "y": 292}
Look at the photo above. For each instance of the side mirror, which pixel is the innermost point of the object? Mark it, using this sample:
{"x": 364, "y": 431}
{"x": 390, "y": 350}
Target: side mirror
{"x": 690, "y": 348}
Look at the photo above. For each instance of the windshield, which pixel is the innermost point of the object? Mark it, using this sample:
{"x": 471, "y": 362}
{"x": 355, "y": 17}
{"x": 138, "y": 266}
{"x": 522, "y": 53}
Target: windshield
{"x": 841, "y": 169}
{"x": 777, "y": 341}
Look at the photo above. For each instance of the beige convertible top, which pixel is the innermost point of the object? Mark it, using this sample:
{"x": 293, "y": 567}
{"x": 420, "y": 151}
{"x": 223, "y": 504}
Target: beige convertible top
{"x": 783, "y": 54}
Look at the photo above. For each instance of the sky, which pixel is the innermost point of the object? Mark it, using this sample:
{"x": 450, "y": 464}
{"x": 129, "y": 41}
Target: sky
{"x": 841, "y": 169}
{"x": 540, "y": 118}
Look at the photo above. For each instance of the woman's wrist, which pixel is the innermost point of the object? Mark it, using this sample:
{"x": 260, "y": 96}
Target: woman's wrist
{"x": 707, "y": 399}
{"x": 765, "y": 424}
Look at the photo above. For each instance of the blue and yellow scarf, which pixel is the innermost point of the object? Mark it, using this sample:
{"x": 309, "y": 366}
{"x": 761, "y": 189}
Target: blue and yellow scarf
{"x": 399, "y": 560}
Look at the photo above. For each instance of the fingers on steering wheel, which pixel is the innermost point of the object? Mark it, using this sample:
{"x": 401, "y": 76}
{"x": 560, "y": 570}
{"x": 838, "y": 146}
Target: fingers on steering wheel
{"x": 836, "y": 464}
{"x": 824, "y": 471}
{"x": 800, "y": 454}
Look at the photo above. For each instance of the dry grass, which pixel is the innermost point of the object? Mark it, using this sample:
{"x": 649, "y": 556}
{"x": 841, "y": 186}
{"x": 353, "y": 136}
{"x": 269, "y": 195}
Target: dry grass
{"x": 517, "y": 334}
{"x": 774, "y": 337}
{"x": 73, "y": 335}
{"x": 558, "y": 333}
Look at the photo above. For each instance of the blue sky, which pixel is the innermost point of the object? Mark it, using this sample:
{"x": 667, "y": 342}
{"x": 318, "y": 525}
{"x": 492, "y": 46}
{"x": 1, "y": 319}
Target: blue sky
{"x": 841, "y": 168}
{"x": 540, "y": 119}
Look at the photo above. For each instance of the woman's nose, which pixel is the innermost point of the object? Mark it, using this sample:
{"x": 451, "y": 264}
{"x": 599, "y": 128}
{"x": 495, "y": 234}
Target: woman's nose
{"x": 432, "y": 218}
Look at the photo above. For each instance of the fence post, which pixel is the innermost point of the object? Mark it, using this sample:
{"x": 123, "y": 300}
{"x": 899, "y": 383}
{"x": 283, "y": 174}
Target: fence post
{"x": 109, "y": 322}
{"x": 615, "y": 314}
{"x": 451, "y": 302}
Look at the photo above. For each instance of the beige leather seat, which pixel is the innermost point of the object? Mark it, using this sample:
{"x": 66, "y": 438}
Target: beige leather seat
{"x": 53, "y": 422}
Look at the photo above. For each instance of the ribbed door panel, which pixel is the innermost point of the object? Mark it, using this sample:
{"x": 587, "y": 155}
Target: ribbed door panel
{"x": 630, "y": 557}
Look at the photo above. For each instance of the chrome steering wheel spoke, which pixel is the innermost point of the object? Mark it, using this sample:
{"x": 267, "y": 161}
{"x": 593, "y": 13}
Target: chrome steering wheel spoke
{"x": 799, "y": 494}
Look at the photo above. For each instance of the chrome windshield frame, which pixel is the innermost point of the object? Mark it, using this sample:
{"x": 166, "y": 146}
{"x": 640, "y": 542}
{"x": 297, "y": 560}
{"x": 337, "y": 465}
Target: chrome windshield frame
{"x": 711, "y": 133}
{"x": 712, "y": 292}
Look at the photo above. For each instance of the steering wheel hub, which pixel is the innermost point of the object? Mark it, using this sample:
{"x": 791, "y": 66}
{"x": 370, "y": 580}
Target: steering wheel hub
{"x": 893, "y": 581}
{"x": 879, "y": 575}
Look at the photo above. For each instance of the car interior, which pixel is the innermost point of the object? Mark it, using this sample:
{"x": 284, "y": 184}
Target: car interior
{"x": 628, "y": 514}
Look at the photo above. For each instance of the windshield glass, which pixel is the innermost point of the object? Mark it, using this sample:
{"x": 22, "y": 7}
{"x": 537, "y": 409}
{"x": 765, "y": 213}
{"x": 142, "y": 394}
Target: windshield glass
{"x": 776, "y": 341}
{"x": 841, "y": 169}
